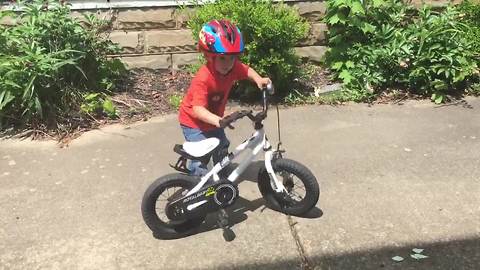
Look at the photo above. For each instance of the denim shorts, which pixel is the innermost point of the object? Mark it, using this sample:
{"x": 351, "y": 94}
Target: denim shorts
{"x": 194, "y": 135}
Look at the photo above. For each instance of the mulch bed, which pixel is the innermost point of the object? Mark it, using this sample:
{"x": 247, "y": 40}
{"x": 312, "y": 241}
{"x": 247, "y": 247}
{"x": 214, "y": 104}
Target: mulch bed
{"x": 146, "y": 93}
{"x": 141, "y": 95}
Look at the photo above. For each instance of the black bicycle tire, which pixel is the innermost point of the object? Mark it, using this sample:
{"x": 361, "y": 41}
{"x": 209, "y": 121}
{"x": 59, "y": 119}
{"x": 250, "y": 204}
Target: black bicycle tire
{"x": 275, "y": 202}
{"x": 159, "y": 228}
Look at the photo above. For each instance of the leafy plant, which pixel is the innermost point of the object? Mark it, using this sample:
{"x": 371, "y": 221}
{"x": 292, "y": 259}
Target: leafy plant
{"x": 175, "y": 100}
{"x": 270, "y": 33}
{"x": 474, "y": 89}
{"x": 470, "y": 15}
{"x": 379, "y": 44}
{"x": 48, "y": 59}
{"x": 98, "y": 104}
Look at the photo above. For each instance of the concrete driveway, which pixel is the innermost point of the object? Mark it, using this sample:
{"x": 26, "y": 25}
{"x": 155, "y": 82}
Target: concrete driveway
{"x": 392, "y": 178}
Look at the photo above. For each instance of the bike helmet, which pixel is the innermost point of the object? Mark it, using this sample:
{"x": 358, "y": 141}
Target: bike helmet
{"x": 220, "y": 37}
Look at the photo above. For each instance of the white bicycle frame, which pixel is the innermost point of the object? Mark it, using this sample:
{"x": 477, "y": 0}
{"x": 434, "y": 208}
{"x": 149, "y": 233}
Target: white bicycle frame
{"x": 257, "y": 142}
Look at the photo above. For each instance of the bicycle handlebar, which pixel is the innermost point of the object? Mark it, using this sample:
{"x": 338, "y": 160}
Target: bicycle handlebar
{"x": 228, "y": 120}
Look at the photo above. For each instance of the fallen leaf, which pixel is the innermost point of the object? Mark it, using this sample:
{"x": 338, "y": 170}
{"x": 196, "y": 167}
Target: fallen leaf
{"x": 418, "y": 256}
{"x": 417, "y": 250}
{"x": 397, "y": 258}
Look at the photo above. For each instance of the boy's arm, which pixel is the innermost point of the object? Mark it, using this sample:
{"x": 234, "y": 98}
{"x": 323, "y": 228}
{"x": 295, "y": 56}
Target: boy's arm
{"x": 255, "y": 77}
{"x": 206, "y": 116}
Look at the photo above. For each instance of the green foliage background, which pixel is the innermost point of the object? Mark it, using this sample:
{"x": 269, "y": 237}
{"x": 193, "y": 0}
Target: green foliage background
{"x": 50, "y": 62}
{"x": 270, "y": 31}
{"x": 377, "y": 44}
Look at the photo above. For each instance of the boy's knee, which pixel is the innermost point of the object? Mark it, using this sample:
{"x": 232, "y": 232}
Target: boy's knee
{"x": 225, "y": 143}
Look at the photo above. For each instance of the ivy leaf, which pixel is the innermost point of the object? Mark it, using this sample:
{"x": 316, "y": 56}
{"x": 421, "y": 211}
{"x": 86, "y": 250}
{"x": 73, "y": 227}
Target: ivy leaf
{"x": 349, "y": 64}
{"x": 340, "y": 3}
{"x": 437, "y": 98}
{"x": 109, "y": 108}
{"x": 334, "y": 19}
{"x": 337, "y": 65}
{"x": 346, "y": 76}
{"x": 378, "y": 3}
{"x": 91, "y": 96}
{"x": 357, "y": 8}
{"x": 368, "y": 28}
{"x": 439, "y": 85}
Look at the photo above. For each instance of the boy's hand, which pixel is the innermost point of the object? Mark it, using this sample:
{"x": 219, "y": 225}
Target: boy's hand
{"x": 262, "y": 82}
{"x": 217, "y": 121}
{"x": 206, "y": 116}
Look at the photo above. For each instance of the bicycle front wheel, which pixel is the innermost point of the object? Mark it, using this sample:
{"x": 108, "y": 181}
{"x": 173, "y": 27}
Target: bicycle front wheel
{"x": 302, "y": 187}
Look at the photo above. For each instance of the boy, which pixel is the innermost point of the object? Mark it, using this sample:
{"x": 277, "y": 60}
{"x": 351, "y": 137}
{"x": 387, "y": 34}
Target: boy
{"x": 203, "y": 106}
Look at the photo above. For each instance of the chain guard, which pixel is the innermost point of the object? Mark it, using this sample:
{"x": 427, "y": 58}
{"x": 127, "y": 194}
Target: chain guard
{"x": 210, "y": 199}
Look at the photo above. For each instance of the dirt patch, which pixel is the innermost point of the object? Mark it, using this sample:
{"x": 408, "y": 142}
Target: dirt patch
{"x": 147, "y": 93}
{"x": 315, "y": 77}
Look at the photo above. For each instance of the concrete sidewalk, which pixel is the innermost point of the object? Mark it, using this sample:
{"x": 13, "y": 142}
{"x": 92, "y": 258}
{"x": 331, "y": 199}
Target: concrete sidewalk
{"x": 392, "y": 178}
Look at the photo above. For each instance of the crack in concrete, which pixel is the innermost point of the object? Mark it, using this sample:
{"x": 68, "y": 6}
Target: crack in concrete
{"x": 305, "y": 264}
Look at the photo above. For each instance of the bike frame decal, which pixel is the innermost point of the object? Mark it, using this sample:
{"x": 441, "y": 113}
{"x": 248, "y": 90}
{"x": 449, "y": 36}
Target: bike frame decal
{"x": 257, "y": 142}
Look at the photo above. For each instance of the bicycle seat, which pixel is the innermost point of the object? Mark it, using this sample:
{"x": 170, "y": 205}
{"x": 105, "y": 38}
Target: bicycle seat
{"x": 197, "y": 149}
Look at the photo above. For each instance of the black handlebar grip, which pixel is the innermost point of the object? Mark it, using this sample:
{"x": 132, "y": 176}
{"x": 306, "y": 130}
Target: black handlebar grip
{"x": 227, "y": 120}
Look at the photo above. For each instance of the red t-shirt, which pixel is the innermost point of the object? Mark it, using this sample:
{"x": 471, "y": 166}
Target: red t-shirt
{"x": 210, "y": 90}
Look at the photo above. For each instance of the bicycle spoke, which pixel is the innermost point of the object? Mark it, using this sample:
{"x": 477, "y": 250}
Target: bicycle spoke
{"x": 165, "y": 197}
{"x": 300, "y": 187}
{"x": 296, "y": 196}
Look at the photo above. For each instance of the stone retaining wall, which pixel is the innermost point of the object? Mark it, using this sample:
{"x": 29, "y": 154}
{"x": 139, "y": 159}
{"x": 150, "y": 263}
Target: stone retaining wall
{"x": 157, "y": 37}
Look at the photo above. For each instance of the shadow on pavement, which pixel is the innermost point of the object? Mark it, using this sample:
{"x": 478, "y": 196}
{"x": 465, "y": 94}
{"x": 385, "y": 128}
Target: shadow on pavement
{"x": 237, "y": 212}
{"x": 460, "y": 254}
{"x": 462, "y": 103}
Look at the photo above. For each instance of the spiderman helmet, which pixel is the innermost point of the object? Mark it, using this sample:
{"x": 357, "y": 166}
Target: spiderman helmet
{"x": 220, "y": 37}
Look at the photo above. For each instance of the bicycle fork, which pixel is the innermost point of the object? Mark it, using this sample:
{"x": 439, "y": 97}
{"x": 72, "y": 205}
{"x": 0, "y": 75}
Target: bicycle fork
{"x": 277, "y": 185}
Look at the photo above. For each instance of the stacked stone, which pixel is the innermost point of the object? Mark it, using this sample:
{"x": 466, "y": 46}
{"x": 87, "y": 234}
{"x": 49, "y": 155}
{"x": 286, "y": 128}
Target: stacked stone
{"x": 157, "y": 38}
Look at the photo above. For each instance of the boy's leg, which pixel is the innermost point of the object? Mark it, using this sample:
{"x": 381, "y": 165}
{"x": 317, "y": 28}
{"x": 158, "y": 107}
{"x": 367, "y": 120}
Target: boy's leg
{"x": 222, "y": 149}
{"x": 194, "y": 135}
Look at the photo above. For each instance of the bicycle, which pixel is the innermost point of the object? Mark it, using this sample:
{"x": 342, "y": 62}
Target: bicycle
{"x": 193, "y": 197}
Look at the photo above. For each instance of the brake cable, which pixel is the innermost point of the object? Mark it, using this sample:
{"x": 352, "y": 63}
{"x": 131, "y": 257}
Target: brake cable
{"x": 279, "y": 152}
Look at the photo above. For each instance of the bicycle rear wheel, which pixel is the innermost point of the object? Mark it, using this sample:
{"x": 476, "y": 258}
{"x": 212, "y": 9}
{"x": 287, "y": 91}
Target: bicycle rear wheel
{"x": 166, "y": 189}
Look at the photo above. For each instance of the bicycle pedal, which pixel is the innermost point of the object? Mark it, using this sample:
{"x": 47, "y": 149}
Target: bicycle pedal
{"x": 228, "y": 234}
{"x": 222, "y": 220}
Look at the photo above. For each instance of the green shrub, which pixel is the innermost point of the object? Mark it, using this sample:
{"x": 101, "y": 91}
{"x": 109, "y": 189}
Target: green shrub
{"x": 474, "y": 89}
{"x": 381, "y": 44}
{"x": 270, "y": 33}
{"x": 471, "y": 16}
{"x": 48, "y": 59}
